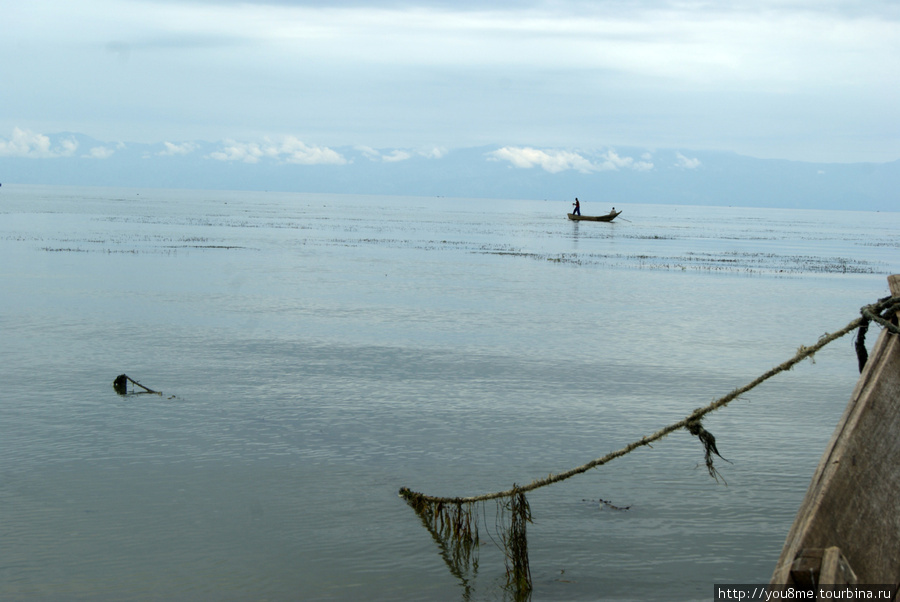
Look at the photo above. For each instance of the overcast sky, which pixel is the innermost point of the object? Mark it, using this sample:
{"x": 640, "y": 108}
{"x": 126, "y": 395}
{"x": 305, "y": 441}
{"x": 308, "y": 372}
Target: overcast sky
{"x": 812, "y": 80}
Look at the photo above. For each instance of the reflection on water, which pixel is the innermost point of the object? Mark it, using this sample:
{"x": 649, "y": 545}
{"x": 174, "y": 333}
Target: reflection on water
{"x": 316, "y": 353}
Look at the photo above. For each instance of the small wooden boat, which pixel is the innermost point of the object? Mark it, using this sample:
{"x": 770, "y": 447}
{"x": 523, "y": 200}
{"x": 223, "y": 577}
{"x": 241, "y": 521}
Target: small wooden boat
{"x": 847, "y": 528}
{"x": 595, "y": 218}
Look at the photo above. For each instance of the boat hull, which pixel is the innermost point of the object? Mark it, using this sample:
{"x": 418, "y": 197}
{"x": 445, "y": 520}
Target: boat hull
{"x": 846, "y": 529}
{"x": 594, "y": 218}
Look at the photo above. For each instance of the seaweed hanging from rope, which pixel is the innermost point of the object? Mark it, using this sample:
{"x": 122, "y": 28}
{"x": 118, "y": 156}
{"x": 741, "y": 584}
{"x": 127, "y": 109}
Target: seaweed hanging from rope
{"x": 709, "y": 447}
{"x": 454, "y": 527}
{"x": 453, "y": 524}
{"x": 515, "y": 514}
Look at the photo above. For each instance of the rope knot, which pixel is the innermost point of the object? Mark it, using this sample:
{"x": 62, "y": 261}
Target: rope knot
{"x": 884, "y": 311}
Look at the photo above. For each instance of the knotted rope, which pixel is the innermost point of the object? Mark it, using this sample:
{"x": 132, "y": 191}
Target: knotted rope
{"x": 433, "y": 508}
{"x": 888, "y": 305}
{"x": 884, "y": 313}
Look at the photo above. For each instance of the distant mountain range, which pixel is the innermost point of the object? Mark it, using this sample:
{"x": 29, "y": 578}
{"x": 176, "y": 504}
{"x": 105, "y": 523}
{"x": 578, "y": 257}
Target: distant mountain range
{"x": 610, "y": 176}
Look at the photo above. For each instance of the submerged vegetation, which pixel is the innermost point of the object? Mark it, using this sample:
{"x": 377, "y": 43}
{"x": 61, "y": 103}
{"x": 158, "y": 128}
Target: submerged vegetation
{"x": 654, "y": 245}
{"x": 732, "y": 261}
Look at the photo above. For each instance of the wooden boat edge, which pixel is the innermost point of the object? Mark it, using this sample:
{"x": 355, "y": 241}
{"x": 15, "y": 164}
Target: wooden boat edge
{"x": 845, "y": 531}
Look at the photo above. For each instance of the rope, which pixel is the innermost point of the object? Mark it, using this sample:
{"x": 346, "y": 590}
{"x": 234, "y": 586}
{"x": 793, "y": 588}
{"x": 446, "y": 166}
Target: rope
{"x": 875, "y": 312}
{"x": 882, "y": 311}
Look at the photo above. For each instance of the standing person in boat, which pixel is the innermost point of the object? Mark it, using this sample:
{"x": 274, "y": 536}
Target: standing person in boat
{"x": 577, "y": 210}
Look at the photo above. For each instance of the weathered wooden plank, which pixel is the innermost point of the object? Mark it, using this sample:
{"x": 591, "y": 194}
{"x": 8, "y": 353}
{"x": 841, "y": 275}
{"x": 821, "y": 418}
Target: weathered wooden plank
{"x": 835, "y": 569}
{"x": 804, "y": 571}
{"x": 814, "y": 566}
{"x": 853, "y": 501}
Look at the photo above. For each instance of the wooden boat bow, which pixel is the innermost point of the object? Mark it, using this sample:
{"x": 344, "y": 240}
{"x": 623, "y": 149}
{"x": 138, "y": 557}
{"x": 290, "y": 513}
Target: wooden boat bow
{"x": 847, "y": 528}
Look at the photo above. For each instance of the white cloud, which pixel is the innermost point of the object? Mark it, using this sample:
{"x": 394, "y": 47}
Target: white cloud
{"x": 25, "y": 143}
{"x": 553, "y": 161}
{"x": 398, "y": 154}
{"x": 288, "y": 150}
{"x": 248, "y": 152}
{"x": 435, "y": 152}
{"x": 296, "y": 151}
{"x": 613, "y": 162}
{"x": 395, "y": 156}
{"x": 68, "y": 147}
{"x": 686, "y": 163}
{"x": 556, "y": 161}
{"x": 100, "y": 152}
{"x": 368, "y": 151}
{"x": 185, "y": 148}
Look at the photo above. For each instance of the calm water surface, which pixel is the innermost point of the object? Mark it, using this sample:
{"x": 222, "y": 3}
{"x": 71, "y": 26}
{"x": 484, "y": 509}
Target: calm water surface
{"x": 318, "y": 352}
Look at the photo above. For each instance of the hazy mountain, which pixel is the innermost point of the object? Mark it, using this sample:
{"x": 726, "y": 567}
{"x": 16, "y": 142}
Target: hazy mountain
{"x": 610, "y": 176}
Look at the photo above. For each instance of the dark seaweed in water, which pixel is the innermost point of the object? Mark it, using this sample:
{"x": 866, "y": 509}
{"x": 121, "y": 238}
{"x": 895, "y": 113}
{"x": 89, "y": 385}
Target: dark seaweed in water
{"x": 748, "y": 263}
{"x": 601, "y": 503}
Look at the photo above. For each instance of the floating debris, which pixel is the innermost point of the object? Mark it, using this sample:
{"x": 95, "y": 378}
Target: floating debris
{"x": 120, "y": 384}
{"x": 601, "y": 503}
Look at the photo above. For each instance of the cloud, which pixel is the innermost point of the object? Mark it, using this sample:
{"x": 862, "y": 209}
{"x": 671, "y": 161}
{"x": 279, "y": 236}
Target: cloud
{"x": 376, "y": 155}
{"x": 555, "y": 161}
{"x": 435, "y": 152}
{"x": 288, "y": 150}
{"x": 247, "y": 152}
{"x": 297, "y": 152}
{"x": 397, "y": 155}
{"x": 368, "y": 151}
{"x": 684, "y": 162}
{"x": 67, "y": 147}
{"x": 25, "y": 143}
{"x": 185, "y": 148}
{"x": 613, "y": 162}
{"x": 100, "y": 152}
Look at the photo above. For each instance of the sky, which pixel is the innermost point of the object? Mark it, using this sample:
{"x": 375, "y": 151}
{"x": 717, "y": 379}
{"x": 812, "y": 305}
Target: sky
{"x": 804, "y": 80}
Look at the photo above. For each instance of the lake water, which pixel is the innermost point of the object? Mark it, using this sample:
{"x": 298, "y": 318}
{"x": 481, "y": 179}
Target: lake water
{"x": 318, "y": 352}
